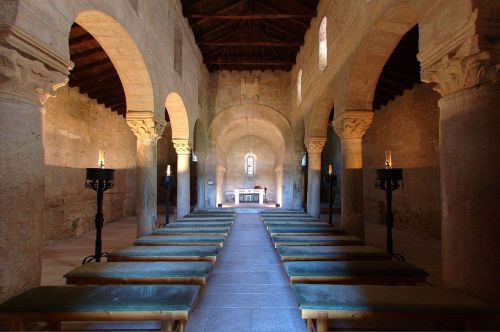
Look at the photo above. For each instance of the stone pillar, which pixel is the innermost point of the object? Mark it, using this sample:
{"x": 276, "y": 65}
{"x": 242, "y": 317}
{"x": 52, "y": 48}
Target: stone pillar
{"x": 148, "y": 129}
{"x": 314, "y": 147}
{"x": 200, "y": 185}
{"x": 210, "y": 180}
{"x": 221, "y": 171}
{"x": 469, "y": 124}
{"x": 297, "y": 180}
{"x": 278, "y": 171}
{"x": 183, "y": 182}
{"x": 25, "y": 85}
{"x": 351, "y": 126}
{"x": 287, "y": 183}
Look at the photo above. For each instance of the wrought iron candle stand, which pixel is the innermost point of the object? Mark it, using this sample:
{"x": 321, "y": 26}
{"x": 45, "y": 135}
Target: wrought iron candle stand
{"x": 167, "y": 181}
{"x": 331, "y": 180}
{"x": 388, "y": 179}
{"x": 100, "y": 180}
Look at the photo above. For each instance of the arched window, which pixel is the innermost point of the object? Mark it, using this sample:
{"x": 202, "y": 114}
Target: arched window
{"x": 250, "y": 161}
{"x": 299, "y": 87}
{"x": 323, "y": 54}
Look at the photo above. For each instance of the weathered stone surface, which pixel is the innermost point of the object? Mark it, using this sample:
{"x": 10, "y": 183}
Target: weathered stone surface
{"x": 409, "y": 127}
{"x": 76, "y": 128}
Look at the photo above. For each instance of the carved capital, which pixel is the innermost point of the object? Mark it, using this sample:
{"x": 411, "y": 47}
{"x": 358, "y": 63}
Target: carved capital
{"x": 462, "y": 70}
{"x": 148, "y": 129}
{"x": 315, "y": 144}
{"x": 352, "y": 124}
{"x": 25, "y": 79}
{"x": 181, "y": 146}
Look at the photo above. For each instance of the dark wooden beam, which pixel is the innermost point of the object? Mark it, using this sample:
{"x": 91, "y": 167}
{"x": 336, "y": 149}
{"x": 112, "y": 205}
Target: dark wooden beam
{"x": 93, "y": 77}
{"x": 294, "y": 20}
{"x": 80, "y": 39}
{"x": 277, "y": 43}
{"x": 87, "y": 53}
{"x": 222, "y": 11}
{"x": 225, "y": 25}
{"x": 251, "y": 16}
{"x": 250, "y": 62}
{"x": 80, "y": 69}
{"x": 108, "y": 83}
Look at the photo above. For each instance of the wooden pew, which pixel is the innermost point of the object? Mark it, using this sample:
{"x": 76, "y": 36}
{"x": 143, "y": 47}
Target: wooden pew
{"x": 321, "y": 303}
{"x": 164, "y": 253}
{"x": 304, "y": 230}
{"x": 354, "y": 272}
{"x": 222, "y": 231}
{"x": 332, "y": 253}
{"x": 200, "y": 224}
{"x": 169, "y": 304}
{"x": 187, "y": 240}
{"x": 204, "y": 218}
{"x": 312, "y": 240}
{"x": 106, "y": 273}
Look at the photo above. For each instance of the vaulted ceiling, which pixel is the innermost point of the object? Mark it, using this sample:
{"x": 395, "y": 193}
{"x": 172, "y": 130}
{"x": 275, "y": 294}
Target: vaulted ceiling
{"x": 249, "y": 34}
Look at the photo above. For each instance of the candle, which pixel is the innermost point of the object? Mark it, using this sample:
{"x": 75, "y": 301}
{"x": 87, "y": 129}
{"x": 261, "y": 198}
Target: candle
{"x": 101, "y": 161}
{"x": 168, "y": 170}
{"x": 388, "y": 159}
{"x": 330, "y": 169}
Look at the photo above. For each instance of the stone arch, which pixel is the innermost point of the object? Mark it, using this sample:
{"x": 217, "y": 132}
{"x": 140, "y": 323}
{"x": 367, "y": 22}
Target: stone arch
{"x": 125, "y": 56}
{"x": 178, "y": 116}
{"x": 375, "y": 48}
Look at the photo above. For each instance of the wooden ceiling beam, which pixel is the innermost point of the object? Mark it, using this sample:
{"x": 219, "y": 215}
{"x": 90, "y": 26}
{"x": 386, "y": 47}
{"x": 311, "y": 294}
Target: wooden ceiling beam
{"x": 291, "y": 19}
{"x": 90, "y": 66}
{"x": 251, "y": 16}
{"x": 220, "y": 27}
{"x": 277, "y": 43}
{"x": 102, "y": 84}
{"x": 222, "y": 11}
{"x": 81, "y": 39}
{"x": 92, "y": 77}
{"x": 87, "y": 53}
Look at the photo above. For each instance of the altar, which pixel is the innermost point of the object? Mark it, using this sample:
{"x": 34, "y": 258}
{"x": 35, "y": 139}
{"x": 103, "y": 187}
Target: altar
{"x": 248, "y": 196}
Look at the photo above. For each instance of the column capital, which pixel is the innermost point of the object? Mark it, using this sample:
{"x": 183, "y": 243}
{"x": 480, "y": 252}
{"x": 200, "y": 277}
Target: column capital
{"x": 461, "y": 61}
{"x": 24, "y": 79}
{"x": 145, "y": 126}
{"x": 462, "y": 70}
{"x": 181, "y": 146}
{"x": 315, "y": 144}
{"x": 352, "y": 123}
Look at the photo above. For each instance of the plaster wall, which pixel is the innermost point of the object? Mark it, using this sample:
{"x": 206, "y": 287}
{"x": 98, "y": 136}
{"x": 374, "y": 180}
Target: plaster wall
{"x": 76, "y": 128}
{"x": 265, "y": 175}
{"x": 409, "y": 127}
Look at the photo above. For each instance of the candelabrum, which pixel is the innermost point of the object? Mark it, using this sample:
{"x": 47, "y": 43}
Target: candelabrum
{"x": 167, "y": 181}
{"x": 389, "y": 179}
{"x": 331, "y": 180}
{"x": 100, "y": 180}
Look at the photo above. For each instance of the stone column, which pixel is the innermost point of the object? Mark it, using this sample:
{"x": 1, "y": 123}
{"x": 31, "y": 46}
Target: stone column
{"x": 351, "y": 126}
{"x": 148, "y": 129}
{"x": 25, "y": 85}
{"x": 469, "y": 125}
{"x": 221, "y": 171}
{"x": 314, "y": 147}
{"x": 297, "y": 180}
{"x": 279, "y": 185}
{"x": 200, "y": 185}
{"x": 183, "y": 182}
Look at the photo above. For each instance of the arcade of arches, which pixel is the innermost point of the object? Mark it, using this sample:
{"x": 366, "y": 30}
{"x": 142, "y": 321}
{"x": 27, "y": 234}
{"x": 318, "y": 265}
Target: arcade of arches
{"x": 417, "y": 77}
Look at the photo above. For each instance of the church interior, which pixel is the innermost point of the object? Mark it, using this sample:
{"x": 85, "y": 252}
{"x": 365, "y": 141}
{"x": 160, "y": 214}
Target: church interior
{"x": 251, "y": 165}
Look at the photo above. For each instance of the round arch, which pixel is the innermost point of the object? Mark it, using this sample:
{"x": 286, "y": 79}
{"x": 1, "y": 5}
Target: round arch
{"x": 377, "y": 45}
{"x": 178, "y": 116}
{"x": 125, "y": 56}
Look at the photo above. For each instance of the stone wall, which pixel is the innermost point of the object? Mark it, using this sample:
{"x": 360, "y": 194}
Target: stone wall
{"x": 76, "y": 128}
{"x": 409, "y": 127}
{"x": 264, "y": 177}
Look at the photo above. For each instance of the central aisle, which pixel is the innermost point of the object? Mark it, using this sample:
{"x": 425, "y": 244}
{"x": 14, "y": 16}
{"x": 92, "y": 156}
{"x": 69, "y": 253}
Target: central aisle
{"x": 247, "y": 289}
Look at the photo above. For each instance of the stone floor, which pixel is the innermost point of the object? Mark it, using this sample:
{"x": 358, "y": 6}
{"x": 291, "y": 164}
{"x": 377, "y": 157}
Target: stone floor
{"x": 247, "y": 289}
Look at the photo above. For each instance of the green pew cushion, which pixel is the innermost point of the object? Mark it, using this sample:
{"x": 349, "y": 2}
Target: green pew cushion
{"x": 180, "y": 240}
{"x": 161, "y": 251}
{"x": 305, "y": 230}
{"x": 332, "y": 253}
{"x": 177, "y": 230}
{"x": 280, "y": 240}
{"x": 200, "y": 218}
{"x": 200, "y": 224}
{"x": 140, "y": 270}
{"x": 401, "y": 299}
{"x": 287, "y": 223}
{"x": 291, "y": 218}
{"x": 114, "y": 298}
{"x": 353, "y": 268}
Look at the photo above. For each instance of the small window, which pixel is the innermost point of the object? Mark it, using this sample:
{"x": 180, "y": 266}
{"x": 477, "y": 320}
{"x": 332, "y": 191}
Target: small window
{"x": 299, "y": 87}
{"x": 250, "y": 164}
{"x": 323, "y": 54}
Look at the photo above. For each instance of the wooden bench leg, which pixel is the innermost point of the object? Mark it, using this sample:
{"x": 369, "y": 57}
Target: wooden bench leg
{"x": 166, "y": 322}
{"x": 310, "y": 325}
{"x": 322, "y": 322}
{"x": 181, "y": 325}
